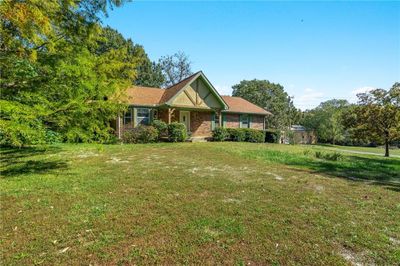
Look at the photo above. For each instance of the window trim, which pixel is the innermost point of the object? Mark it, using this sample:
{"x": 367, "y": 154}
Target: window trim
{"x": 130, "y": 117}
{"x": 148, "y": 117}
{"x": 247, "y": 120}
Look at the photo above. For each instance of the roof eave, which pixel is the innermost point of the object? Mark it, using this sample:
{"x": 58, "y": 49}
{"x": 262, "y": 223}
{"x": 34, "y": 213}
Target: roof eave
{"x": 238, "y": 112}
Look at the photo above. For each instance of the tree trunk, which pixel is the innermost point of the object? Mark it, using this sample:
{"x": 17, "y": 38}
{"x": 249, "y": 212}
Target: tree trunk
{"x": 386, "y": 147}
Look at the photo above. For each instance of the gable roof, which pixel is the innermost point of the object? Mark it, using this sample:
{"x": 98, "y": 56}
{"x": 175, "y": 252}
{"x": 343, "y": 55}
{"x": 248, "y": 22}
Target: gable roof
{"x": 174, "y": 89}
{"x": 240, "y": 105}
{"x": 148, "y": 96}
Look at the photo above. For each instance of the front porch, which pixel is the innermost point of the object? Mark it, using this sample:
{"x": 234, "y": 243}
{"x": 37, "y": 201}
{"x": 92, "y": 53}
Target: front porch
{"x": 199, "y": 123}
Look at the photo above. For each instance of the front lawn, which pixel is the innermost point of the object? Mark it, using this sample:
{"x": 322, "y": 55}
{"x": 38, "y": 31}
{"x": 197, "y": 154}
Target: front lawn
{"x": 202, "y": 203}
{"x": 378, "y": 150}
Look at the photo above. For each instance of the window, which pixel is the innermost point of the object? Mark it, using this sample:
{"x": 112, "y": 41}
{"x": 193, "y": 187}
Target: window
{"x": 216, "y": 119}
{"x": 143, "y": 116}
{"x": 244, "y": 121}
{"x": 128, "y": 117}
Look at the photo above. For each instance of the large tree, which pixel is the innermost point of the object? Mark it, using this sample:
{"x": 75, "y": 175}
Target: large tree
{"x": 272, "y": 97}
{"x": 326, "y": 120}
{"x": 148, "y": 73}
{"x": 55, "y": 76}
{"x": 175, "y": 68}
{"x": 377, "y": 115}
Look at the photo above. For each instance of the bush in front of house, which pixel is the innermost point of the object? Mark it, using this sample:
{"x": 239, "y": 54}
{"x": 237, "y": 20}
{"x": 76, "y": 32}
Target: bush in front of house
{"x": 140, "y": 134}
{"x": 177, "y": 132}
{"x": 254, "y": 135}
{"x": 272, "y": 136}
{"x": 246, "y": 134}
{"x": 236, "y": 134}
{"x": 220, "y": 134}
{"x": 162, "y": 128}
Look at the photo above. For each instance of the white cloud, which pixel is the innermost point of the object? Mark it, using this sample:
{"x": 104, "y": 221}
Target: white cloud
{"x": 362, "y": 90}
{"x": 308, "y": 99}
{"x": 353, "y": 94}
{"x": 223, "y": 89}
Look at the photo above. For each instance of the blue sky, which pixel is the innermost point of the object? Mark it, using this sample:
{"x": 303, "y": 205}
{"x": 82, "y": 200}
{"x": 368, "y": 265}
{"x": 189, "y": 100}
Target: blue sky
{"x": 316, "y": 50}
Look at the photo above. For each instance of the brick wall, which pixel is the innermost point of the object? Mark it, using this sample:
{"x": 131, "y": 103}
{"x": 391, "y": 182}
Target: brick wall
{"x": 257, "y": 122}
{"x": 163, "y": 115}
{"x": 232, "y": 120}
{"x": 200, "y": 124}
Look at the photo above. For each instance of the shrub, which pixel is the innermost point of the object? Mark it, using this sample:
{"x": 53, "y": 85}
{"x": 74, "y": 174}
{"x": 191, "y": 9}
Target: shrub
{"x": 236, "y": 134}
{"x": 272, "y": 136}
{"x": 333, "y": 156}
{"x": 140, "y": 134}
{"x": 177, "y": 132}
{"x": 254, "y": 135}
{"x": 220, "y": 134}
{"x": 52, "y": 137}
{"x": 162, "y": 128}
{"x": 246, "y": 134}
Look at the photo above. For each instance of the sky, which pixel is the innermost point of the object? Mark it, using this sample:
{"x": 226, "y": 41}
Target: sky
{"x": 316, "y": 50}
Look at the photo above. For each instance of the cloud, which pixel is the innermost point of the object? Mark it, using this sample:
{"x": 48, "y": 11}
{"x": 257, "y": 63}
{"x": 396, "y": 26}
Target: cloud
{"x": 308, "y": 99}
{"x": 353, "y": 94}
{"x": 223, "y": 89}
{"x": 362, "y": 90}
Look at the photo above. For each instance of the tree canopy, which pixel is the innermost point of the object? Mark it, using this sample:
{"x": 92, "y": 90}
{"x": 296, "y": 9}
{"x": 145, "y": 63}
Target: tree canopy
{"x": 272, "y": 97}
{"x": 377, "y": 116}
{"x": 175, "y": 68}
{"x": 58, "y": 76}
{"x": 326, "y": 120}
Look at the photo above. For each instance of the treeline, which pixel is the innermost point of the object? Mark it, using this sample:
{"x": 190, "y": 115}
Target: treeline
{"x": 272, "y": 97}
{"x": 374, "y": 120}
{"x": 63, "y": 75}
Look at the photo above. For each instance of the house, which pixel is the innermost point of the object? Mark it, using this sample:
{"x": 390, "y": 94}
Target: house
{"x": 194, "y": 102}
{"x": 299, "y": 135}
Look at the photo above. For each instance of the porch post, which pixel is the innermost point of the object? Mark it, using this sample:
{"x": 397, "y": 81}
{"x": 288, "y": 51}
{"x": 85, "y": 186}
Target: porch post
{"x": 119, "y": 127}
{"x": 169, "y": 115}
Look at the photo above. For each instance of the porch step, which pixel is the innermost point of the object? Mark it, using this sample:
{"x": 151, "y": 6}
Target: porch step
{"x": 198, "y": 139}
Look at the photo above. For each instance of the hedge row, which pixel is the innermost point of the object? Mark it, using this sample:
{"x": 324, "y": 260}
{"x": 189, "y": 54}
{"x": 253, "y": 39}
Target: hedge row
{"x": 175, "y": 132}
{"x": 239, "y": 134}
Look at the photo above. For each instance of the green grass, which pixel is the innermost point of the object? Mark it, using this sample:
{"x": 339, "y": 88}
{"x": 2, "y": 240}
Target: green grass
{"x": 197, "y": 203}
{"x": 377, "y": 150}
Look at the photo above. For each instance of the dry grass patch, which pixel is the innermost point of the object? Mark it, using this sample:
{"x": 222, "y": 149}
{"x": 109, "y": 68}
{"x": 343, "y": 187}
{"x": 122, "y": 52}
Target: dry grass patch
{"x": 203, "y": 203}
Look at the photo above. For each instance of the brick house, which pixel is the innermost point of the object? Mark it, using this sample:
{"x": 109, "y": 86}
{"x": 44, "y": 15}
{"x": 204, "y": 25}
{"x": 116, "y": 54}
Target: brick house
{"x": 194, "y": 102}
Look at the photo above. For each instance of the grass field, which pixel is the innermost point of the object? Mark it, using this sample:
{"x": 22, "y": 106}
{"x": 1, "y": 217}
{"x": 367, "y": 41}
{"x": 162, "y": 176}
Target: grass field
{"x": 197, "y": 203}
{"x": 377, "y": 150}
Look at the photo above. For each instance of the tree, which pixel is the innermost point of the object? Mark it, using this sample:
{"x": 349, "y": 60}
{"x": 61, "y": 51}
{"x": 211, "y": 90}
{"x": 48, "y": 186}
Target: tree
{"x": 270, "y": 96}
{"x": 294, "y": 114}
{"x": 377, "y": 115}
{"x": 148, "y": 74}
{"x": 175, "y": 68}
{"x": 55, "y": 78}
{"x": 326, "y": 120}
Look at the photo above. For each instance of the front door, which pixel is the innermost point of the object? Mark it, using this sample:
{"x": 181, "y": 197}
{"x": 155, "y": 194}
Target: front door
{"x": 184, "y": 118}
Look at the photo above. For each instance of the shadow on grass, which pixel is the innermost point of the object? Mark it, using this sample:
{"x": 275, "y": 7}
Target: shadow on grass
{"x": 22, "y": 161}
{"x": 379, "y": 171}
